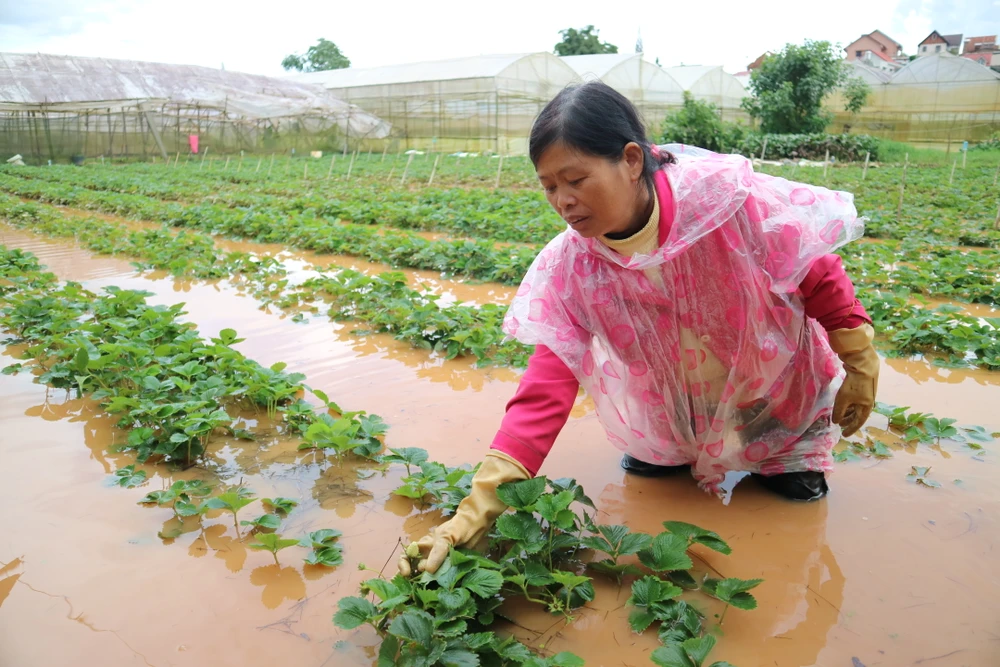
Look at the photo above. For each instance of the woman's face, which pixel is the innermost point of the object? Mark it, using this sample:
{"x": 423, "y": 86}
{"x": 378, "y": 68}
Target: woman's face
{"x": 592, "y": 194}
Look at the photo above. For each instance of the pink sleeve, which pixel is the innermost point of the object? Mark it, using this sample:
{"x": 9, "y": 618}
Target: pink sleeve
{"x": 829, "y": 295}
{"x": 538, "y": 410}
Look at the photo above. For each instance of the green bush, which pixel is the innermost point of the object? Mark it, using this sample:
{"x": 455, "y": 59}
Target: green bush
{"x": 697, "y": 123}
{"x": 991, "y": 144}
{"x": 843, "y": 147}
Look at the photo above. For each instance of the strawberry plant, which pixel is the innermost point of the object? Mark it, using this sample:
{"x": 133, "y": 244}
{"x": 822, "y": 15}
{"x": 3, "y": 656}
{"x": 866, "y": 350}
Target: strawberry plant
{"x": 280, "y": 505}
{"x": 179, "y": 497}
{"x": 272, "y": 542}
{"x": 325, "y": 550}
{"x": 231, "y": 501}
{"x": 128, "y": 478}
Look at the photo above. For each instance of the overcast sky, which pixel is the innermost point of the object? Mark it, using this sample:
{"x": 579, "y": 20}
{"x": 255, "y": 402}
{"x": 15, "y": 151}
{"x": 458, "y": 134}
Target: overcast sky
{"x": 253, "y": 36}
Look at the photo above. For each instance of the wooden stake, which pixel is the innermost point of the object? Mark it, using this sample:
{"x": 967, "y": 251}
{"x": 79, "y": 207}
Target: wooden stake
{"x": 865, "y": 172}
{"x": 369, "y": 154}
{"x": 826, "y": 162}
{"x": 434, "y": 169}
{"x": 269, "y": 165}
{"x": 384, "y": 149}
{"x": 305, "y": 170}
{"x": 996, "y": 225}
{"x": 177, "y": 159}
{"x": 965, "y": 154}
{"x": 330, "y": 170}
{"x": 407, "y": 169}
{"x": 763, "y": 149}
{"x": 995, "y": 174}
{"x": 902, "y": 188}
{"x": 259, "y": 160}
{"x": 499, "y": 170}
{"x": 391, "y": 171}
{"x": 350, "y": 166}
{"x": 226, "y": 166}
{"x": 951, "y": 178}
{"x": 102, "y": 159}
{"x": 239, "y": 165}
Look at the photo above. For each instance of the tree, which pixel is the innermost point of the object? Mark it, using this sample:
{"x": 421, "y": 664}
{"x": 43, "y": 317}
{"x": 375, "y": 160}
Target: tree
{"x": 856, "y": 92}
{"x": 582, "y": 42}
{"x": 788, "y": 89}
{"x": 321, "y": 56}
{"x": 697, "y": 123}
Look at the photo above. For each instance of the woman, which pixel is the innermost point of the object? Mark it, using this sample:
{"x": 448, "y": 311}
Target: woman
{"x": 698, "y": 304}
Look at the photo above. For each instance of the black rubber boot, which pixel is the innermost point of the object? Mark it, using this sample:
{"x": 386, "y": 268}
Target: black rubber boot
{"x": 802, "y": 486}
{"x": 634, "y": 466}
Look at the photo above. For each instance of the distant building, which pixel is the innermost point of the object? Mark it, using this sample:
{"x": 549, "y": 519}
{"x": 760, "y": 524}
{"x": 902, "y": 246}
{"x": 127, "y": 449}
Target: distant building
{"x": 982, "y": 50}
{"x": 938, "y": 43}
{"x": 877, "y": 50}
{"x": 760, "y": 61}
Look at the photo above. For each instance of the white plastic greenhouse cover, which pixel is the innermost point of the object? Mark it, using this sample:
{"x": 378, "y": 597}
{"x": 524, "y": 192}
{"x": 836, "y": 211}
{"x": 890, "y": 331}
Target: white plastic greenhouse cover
{"x": 70, "y": 83}
{"x": 630, "y": 74}
{"x": 516, "y": 72}
{"x": 941, "y": 68}
{"x": 709, "y": 83}
{"x": 868, "y": 74}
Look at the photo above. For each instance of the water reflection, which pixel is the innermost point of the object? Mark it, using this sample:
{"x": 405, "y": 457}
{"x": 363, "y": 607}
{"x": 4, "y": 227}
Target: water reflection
{"x": 279, "y": 584}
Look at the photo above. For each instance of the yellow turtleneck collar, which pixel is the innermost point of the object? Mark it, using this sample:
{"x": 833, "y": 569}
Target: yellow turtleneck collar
{"x": 644, "y": 241}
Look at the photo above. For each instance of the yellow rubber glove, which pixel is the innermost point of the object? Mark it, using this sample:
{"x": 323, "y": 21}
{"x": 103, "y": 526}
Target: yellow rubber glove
{"x": 856, "y": 397}
{"x": 473, "y": 518}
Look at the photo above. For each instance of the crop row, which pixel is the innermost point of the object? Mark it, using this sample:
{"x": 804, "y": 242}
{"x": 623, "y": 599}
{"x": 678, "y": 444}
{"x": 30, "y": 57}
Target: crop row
{"x": 473, "y": 259}
{"x": 383, "y": 302}
{"x": 920, "y": 265}
{"x": 506, "y": 216}
{"x": 172, "y": 388}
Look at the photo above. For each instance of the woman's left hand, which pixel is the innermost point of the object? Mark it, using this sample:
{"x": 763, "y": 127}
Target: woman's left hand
{"x": 856, "y": 398}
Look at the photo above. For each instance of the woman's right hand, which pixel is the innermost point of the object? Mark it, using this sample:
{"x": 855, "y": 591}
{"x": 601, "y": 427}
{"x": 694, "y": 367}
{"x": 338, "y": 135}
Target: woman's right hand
{"x": 473, "y": 519}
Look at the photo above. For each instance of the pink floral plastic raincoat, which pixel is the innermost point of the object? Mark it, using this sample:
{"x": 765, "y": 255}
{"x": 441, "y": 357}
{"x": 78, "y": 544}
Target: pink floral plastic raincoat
{"x": 701, "y": 353}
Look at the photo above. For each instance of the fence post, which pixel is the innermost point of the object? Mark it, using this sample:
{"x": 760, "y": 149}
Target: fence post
{"x": 329, "y": 171}
{"x": 902, "y": 189}
{"x": 826, "y": 162}
{"x": 406, "y": 169}
{"x": 434, "y": 169}
{"x": 865, "y": 172}
{"x": 499, "y": 170}
{"x": 350, "y": 166}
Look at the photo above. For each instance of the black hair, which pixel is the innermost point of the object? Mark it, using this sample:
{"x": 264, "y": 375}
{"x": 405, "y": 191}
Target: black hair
{"x": 595, "y": 119}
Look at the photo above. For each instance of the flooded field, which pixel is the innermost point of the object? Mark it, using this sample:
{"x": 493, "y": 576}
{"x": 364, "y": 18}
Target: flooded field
{"x": 883, "y": 572}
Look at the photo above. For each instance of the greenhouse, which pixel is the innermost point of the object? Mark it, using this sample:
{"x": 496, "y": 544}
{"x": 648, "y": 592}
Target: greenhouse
{"x": 54, "y": 107}
{"x": 712, "y": 84}
{"x": 650, "y": 88}
{"x": 470, "y": 104}
{"x": 938, "y": 100}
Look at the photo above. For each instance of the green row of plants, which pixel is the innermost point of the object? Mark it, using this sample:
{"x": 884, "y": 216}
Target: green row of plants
{"x": 474, "y": 259}
{"x": 841, "y": 147}
{"x": 966, "y": 340}
{"x": 182, "y": 254}
{"x": 387, "y": 305}
{"x": 383, "y": 302}
{"x": 925, "y": 267}
{"x": 540, "y": 552}
{"x": 517, "y": 216}
{"x": 173, "y": 389}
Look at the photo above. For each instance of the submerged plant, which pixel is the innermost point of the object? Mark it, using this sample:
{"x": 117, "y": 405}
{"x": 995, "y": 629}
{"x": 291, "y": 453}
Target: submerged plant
{"x": 231, "y": 501}
{"x": 128, "y": 477}
{"x": 324, "y": 547}
{"x": 272, "y": 542}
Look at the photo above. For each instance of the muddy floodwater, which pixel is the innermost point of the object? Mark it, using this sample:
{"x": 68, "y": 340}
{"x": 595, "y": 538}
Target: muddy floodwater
{"x": 883, "y": 572}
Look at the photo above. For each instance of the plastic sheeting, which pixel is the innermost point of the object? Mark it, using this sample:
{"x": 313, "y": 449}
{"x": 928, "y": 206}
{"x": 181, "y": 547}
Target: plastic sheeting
{"x": 646, "y": 84}
{"x": 701, "y": 353}
{"x": 41, "y": 82}
{"x": 935, "y": 100}
{"x": 476, "y": 103}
